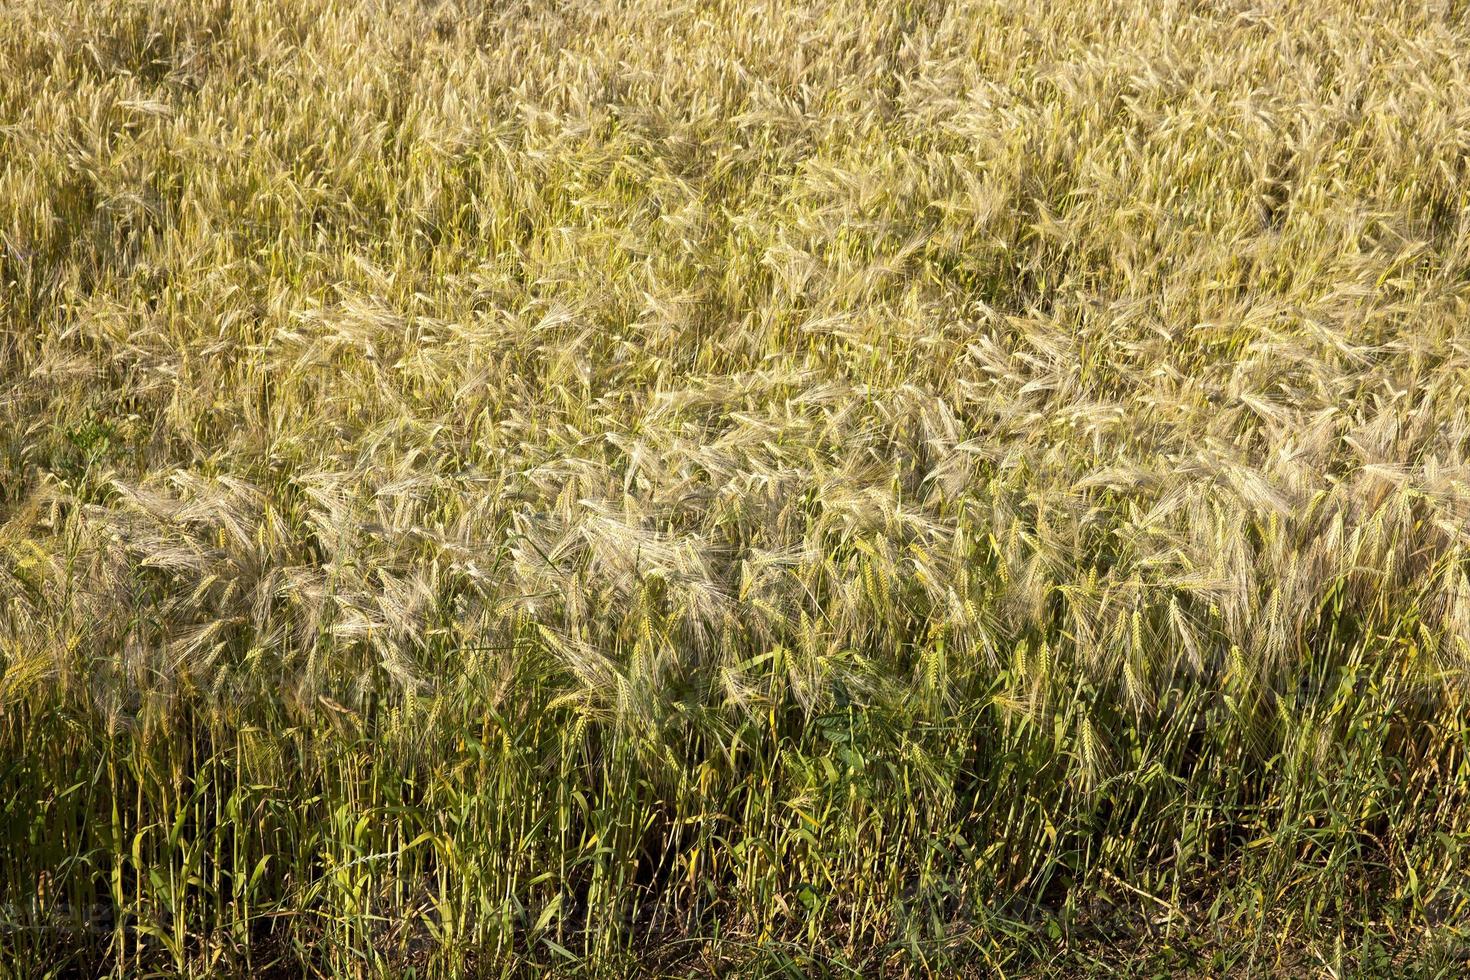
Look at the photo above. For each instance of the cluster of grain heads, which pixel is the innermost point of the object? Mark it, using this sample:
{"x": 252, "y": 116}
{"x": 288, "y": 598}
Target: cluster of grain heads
{"x": 734, "y": 486}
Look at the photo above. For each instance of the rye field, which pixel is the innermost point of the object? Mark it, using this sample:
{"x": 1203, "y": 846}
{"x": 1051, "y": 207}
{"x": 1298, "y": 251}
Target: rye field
{"x": 734, "y": 488}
